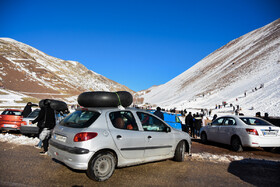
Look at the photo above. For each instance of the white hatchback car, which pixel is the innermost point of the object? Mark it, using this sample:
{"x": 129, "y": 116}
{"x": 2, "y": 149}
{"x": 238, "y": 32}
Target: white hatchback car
{"x": 241, "y": 131}
{"x": 100, "y": 139}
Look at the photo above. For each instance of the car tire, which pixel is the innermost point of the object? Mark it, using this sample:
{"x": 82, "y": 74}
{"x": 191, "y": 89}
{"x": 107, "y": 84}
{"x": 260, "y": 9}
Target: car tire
{"x": 102, "y": 166}
{"x": 236, "y": 144}
{"x": 203, "y": 137}
{"x": 180, "y": 152}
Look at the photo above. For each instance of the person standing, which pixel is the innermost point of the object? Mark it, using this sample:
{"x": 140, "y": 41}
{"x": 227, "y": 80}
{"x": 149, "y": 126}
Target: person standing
{"x": 214, "y": 117}
{"x": 40, "y": 120}
{"x": 27, "y": 109}
{"x": 158, "y": 113}
{"x": 49, "y": 125}
{"x": 189, "y": 123}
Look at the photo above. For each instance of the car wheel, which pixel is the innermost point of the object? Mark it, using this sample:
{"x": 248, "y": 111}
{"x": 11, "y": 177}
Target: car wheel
{"x": 180, "y": 152}
{"x": 102, "y": 166}
{"x": 203, "y": 137}
{"x": 236, "y": 144}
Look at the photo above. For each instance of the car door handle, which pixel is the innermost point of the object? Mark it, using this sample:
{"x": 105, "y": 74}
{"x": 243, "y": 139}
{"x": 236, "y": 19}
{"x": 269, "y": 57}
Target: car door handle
{"x": 119, "y": 137}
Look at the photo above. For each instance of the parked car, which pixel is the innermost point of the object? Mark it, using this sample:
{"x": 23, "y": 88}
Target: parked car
{"x": 10, "y": 120}
{"x": 242, "y": 131}
{"x": 100, "y": 139}
{"x": 26, "y": 125}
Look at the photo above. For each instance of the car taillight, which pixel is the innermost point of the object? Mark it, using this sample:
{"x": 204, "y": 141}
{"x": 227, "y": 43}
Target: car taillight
{"x": 252, "y": 132}
{"x": 84, "y": 136}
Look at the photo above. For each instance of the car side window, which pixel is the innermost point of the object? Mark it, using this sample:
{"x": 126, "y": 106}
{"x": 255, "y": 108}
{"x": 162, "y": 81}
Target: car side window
{"x": 218, "y": 121}
{"x": 229, "y": 122}
{"x": 150, "y": 123}
{"x": 123, "y": 120}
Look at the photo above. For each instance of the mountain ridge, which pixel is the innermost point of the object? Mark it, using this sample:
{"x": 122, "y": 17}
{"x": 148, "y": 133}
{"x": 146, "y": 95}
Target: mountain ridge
{"x": 246, "y": 62}
{"x": 26, "y": 69}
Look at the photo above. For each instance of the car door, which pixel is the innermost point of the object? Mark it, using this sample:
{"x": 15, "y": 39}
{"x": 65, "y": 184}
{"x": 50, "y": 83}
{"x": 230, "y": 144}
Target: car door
{"x": 226, "y": 130}
{"x": 129, "y": 141}
{"x": 158, "y": 141}
{"x": 213, "y": 130}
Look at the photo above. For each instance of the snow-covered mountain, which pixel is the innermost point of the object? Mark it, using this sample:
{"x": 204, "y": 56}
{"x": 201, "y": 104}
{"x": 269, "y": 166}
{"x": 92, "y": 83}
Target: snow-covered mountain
{"x": 27, "y": 70}
{"x": 241, "y": 66}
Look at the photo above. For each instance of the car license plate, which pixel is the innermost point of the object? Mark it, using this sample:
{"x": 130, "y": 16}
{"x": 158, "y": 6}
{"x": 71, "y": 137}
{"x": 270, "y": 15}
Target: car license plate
{"x": 9, "y": 125}
{"x": 269, "y": 133}
{"x": 60, "y": 138}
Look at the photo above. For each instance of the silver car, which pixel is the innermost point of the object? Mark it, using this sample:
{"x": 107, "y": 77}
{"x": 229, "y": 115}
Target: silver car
{"x": 242, "y": 131}
{"x": 100, "y": 139}
{"x": 26, "y": 125}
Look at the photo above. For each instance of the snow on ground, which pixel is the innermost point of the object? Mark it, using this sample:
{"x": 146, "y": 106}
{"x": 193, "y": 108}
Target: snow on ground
{"x": 18, "y": 139}
{"x": 215, "y": 158}
{"x": 9, "y": 98}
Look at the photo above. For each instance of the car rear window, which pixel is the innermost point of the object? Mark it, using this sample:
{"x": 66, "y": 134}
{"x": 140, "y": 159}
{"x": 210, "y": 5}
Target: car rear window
{"x": 9, "y": 112}
{"x": 34, "y": 114}
{"x": 80, "y": 119}
{"x": 255, "y": 121}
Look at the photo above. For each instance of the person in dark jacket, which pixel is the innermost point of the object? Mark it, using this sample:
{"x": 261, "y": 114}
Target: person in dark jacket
{"x": 27, "y": 109}
{"x": 189, "y": 123}
{"x": 158, "y": 113}
{"x": 40, "y": 120}
{"x": 48, "y": 126}
{"x": 214, "y": 117}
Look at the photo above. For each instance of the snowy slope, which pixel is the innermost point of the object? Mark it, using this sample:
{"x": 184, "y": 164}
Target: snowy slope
{"x": 238, "y": 67}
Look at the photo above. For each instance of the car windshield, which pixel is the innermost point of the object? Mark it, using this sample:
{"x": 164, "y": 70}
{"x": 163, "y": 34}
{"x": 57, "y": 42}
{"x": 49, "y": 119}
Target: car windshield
{"x": 34, "y": 114}
{"x": 80, "y": 119}
{"x": 11, "y": 112}
{"x": 255, "y": 121}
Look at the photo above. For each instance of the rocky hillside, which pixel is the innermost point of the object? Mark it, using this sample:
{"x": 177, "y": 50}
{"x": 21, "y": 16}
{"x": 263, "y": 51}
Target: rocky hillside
{"x": 27, "y": 70}
{"x": 239, "y": 67}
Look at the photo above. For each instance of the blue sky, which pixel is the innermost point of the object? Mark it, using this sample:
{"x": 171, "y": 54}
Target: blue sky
{"x": 138, "y": 43}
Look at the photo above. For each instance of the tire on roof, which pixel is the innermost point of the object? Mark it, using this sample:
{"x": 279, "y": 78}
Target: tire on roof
{"x": 105, "y": 99}
{"x": 55, "y": 104}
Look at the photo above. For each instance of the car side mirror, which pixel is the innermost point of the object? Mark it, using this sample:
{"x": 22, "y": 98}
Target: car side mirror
{"x": 167, "y": 129}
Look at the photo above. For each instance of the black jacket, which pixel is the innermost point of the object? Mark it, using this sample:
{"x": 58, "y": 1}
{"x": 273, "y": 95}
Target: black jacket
{"x": 159, "y": 114}
{"x": 27, "y": 110}
{"x": 45, "y": 118}
{"x": 40, "y": 119}
{"x": 50, "y": 118}
{"x": 189, "y": 120}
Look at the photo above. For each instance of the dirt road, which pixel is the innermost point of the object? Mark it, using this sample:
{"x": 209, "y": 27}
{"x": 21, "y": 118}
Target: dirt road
{"x": 21, "y": 165}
